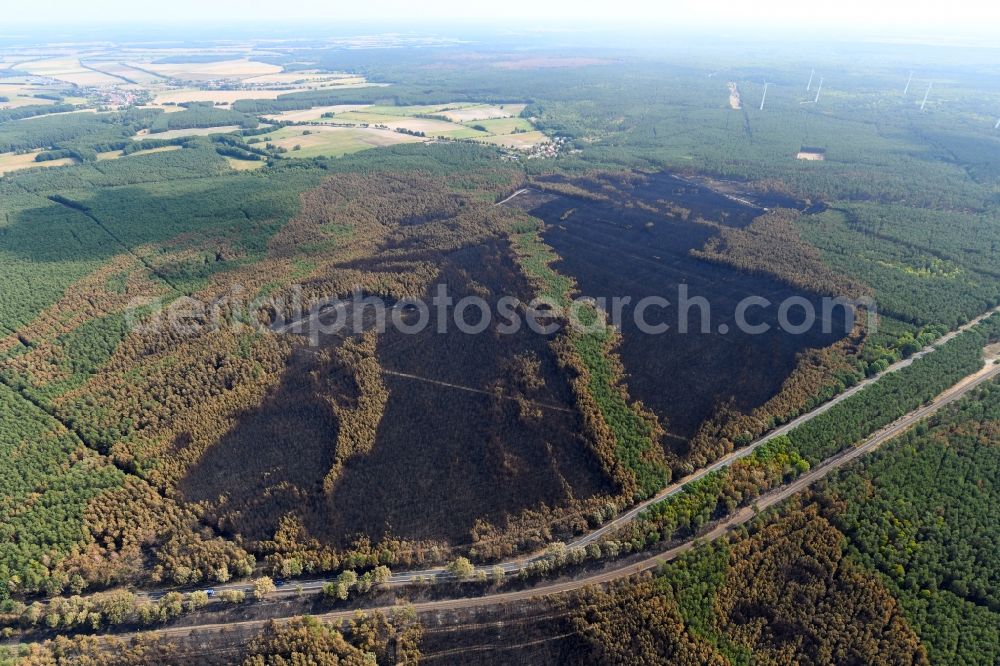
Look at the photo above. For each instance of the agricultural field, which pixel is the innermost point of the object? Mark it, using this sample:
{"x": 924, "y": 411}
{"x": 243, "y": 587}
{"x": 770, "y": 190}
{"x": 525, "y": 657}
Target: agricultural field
{"x": 329, "y": 132}
{"x": 430, "y": 121}
{"x": 125, "y": 72}
{"x": 185, "y": 95}
{"x": 315, "y": 114}
{"x": 502, "y": 125}
{"x": 240, "y": 69}
{"x": 189, "y": 131}
{"x": 334, "y": 141}
{"x": 10, "y": 162}
{"x": 244, "y": 165}
{"x": 115, "y": 154}
{"x": 431, "y": 127}
{"x": 69, "y": 70}
{"x": 483, "y": 112}
{"x": 311, "y": 79}
{"x": 519, "y": 140}
{"x": 19, "y": 95}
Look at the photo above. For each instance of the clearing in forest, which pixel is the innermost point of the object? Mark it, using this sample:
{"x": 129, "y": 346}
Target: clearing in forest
{"x": 69, "y": 70}
{"x": 313, "y": 114}
{"x": 181, "y": 96}
{"x": 431, "y": 127}
{"x": 190, "y": 131}
{"x": 502, "y": 125}
{"x": 13, "y": 162}
{"x": 521, "y": 140}
{"x": 483, "y": 112}
{"x": 116, "y": 154}
{"x": 811, "y": 154}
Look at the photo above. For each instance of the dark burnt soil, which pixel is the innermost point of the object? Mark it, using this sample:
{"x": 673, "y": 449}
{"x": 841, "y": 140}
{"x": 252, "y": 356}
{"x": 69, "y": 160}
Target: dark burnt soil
{"x": 273, "y": 461}
{"x": 622, "y": 247}
{"x": 503, "y": 439}
{"x": 445, "y": 457}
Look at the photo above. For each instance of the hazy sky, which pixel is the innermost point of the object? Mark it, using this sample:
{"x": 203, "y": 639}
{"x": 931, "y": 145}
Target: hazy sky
{"x": 865, "y": 14}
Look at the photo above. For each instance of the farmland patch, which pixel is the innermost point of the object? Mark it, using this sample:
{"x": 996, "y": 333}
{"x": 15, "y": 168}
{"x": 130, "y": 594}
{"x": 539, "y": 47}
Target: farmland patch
{"x": 315, "y": 113}
{"x": 483, "y": 112}
{"x": 520, "y": 140}
{"x": 190, "y": 131}
{"x": 207, "y": 71}
{"x": 502, "y": 125}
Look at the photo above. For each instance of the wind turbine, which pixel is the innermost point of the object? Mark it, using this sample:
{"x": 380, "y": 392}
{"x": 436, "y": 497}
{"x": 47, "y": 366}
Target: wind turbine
{"x": 764, "y": 96}
{"x": 926, "y": 95}
{"x": 810, "y": 84}
{"x": 908, "y": 81}
{"x": 819, "y": 89}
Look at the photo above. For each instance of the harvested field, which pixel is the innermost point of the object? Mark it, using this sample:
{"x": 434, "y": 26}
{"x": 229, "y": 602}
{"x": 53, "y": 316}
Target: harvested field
{"x": 15, "y": 101}
{"x": 416, "y": 109}
{"x": 117, "y": 154}
{"x": 208, "y": 71}
{"x": 125, "y": 71}
{"x": 245, "y": 165}
{"x": 12, "y": 162}
{"x": 177, "y": 133}
{"x": 502, "y": 126}
{"x": 428, "y": 126}
{"x": 483, "y": 112}
{"x": 315, "y": 113}
{"x": 69, "y": 70}
{"x": 311, "y": 79}
{"x": 616, "y": 248}
{"x": 22, "y": 95}
{"x": 217, "y": 96}
{"x": 520, "y": 140}
{"x": 335, "y": 141}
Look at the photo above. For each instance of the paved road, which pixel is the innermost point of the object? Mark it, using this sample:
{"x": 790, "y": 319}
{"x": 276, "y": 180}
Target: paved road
{"x": 987, "y": 373}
